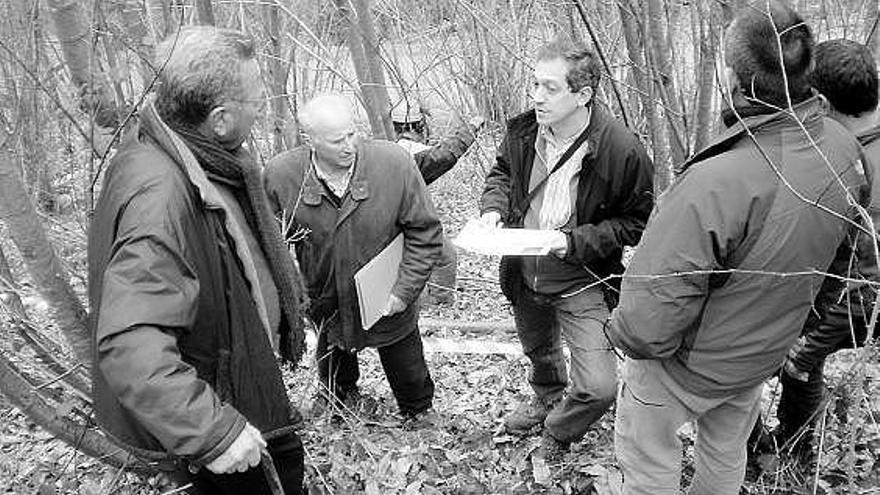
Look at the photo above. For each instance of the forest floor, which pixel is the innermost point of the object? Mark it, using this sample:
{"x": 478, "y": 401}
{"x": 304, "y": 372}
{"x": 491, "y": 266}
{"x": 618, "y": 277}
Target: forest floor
{"x": 479, "y": 378}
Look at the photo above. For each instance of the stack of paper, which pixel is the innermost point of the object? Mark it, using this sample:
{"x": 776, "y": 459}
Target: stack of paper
{"x": 506, "y": 242}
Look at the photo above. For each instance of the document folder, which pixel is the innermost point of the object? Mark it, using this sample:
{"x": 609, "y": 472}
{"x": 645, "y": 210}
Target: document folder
{"x": 375, "y": 280}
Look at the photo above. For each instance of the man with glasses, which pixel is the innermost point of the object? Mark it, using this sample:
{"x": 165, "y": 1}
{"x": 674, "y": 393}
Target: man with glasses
{"x": 191, "y": 285}
{"x": 568, "y": 166}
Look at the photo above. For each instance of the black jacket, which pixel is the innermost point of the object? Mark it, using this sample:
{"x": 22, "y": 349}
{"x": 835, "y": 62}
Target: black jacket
{"x": 614, "y": 193}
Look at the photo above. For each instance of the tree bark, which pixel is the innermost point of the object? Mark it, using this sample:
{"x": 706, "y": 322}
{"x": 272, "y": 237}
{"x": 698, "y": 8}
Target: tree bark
{"x": 872, "y": 27}
{"x": 278, "y": 74}
{"x": 83, "y": 438}
{"x": 9, "y": 297}
{"x": 75, "y": 34}
{"x": 705, "y": 76}
{"x": 158, "y": 14}
{"x": 635, "y": 48}
{"x": 364, "y": 54}
{"x": 205, "y": 12}
{"x": 664, "y": 81}
{"x": 49, "y": 278}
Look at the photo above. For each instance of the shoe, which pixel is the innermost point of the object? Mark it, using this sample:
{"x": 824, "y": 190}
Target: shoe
{"x": 424, "y": 419}
{"x": 527, "y": 417}
{"x": 551, "y": 449}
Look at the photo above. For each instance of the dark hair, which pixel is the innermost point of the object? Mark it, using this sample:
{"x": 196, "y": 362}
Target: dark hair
{"x": 846, "y": 74}
{"x": 752, "y": 51}
{"x": 583, "y": 65}
{"x": 202, "y": 67}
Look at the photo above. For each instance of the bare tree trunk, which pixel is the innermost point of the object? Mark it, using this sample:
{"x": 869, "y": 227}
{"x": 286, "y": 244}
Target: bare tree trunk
{"x": 158, "y": 14}
{"x": 49, "y": 278}
{"x": 705, "y": 76}
{"x": 872, "y": 26}
{"x": 205, "y": 12}
{"x": 665, "y": 83}
{"x": 364, "y": 54}
{"x": 74, "y": 35}
{"x": 635, "y": 44}
{"x": 278, "y": 73}
{"x": 9, "y": 297}
{"x": 83, "y": 438}
{"x": 730, "y": 8}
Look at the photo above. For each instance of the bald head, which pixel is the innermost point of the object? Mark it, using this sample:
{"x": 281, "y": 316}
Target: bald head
{"x": 328, "y": 123}
{"x": 326, "y": 112}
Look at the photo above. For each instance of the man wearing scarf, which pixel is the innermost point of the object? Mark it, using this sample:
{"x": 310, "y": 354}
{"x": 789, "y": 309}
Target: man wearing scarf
{"x": 191, "y": 285}
{"x": 727, "y": 269}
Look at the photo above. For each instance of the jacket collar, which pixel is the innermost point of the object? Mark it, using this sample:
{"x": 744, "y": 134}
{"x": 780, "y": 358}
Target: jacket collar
{"x": 806, "y": 111}
{"x": 174, "y": 145}
{"x": 358, "y": 184}
{"x": 870, "y": 135}
{"x": 524, "y": 129}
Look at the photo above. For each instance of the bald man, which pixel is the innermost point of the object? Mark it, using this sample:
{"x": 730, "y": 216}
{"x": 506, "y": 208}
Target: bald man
{"x": 341, "y": 200}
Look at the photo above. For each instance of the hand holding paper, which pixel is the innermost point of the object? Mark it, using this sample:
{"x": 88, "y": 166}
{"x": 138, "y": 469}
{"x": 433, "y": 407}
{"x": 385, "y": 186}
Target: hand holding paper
{"x": 480, "y": 236}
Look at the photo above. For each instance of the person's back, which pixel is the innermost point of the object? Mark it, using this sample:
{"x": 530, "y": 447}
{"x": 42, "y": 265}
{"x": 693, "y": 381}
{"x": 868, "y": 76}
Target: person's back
{"x": 724, "y": 276}
{"x": 792, "y": 221}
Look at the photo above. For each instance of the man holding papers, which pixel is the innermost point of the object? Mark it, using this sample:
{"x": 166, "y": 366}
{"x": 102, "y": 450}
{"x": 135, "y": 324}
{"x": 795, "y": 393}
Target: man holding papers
{"x": 341, "y": 203}
{"x": 567, "y": 166}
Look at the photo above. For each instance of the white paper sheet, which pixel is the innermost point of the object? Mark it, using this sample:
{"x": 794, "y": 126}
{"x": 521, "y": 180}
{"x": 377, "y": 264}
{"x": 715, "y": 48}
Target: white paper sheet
{"x": 506, "y": 242}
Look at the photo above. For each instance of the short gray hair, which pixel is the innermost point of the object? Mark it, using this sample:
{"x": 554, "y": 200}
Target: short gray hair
{"x": 321, "y": 108}
{"x": 201, "y": 66}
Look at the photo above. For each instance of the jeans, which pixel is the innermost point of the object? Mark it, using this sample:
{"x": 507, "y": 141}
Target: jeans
{"x": 287, "y": 456}
{"x": 652, "y": 407}
{"x": 404, "y": 365}
{"x": 541, "y": 322}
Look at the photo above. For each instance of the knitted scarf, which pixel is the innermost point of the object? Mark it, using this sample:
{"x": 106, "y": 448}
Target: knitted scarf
{"x": 241, "y": 173}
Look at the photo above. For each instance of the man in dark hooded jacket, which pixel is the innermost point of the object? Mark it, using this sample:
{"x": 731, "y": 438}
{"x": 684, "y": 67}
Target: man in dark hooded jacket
{"x": 191, "y": 285}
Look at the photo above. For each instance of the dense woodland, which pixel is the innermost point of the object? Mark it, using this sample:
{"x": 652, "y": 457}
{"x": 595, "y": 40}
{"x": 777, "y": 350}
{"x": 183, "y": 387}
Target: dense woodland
{"x": 74, "y": 73}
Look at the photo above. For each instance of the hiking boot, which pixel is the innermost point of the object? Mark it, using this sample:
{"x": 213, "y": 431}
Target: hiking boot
{"x": 551, "y": 450}
{"x": 527, "y": 417}
{"x": 424, "y": 419}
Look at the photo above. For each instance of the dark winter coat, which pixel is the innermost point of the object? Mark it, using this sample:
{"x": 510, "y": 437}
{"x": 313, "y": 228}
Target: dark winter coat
{"x": 720, "y": 286}
{"x": 386, "y": 196}
{"x": 440, "y": 158}
{"x": 614, "y": 192}
{"x": 183, "y": 358}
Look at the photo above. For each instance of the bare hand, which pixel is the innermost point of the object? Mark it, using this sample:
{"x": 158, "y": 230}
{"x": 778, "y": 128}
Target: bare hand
{"x": 243, "y": 454}
{"x": 559, "y": 247}
{"x": 793, "y": 371}
{"x": 393, "y": 306}
{"x": 491, "y": 220}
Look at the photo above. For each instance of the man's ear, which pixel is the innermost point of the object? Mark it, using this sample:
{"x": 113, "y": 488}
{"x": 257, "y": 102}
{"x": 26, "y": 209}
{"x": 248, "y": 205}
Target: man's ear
{"x": 221, "y": 122}
{"x": 585, "y": 96}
